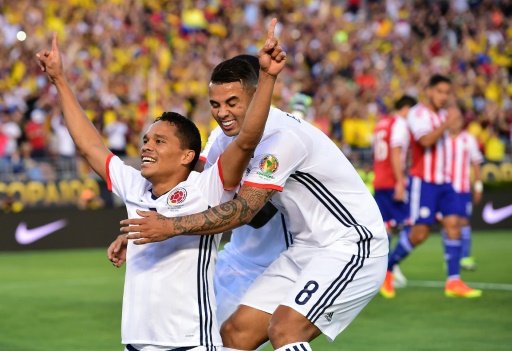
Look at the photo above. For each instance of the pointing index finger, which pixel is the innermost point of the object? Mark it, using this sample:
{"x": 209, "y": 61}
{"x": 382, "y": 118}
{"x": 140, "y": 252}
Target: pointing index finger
{"x": 54, "y": 42}
{"x": 271, "y": 28}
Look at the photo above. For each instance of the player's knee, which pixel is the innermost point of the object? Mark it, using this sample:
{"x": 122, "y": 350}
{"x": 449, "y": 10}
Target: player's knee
{"x": 419, "y": 234}
{"x": 233, "y": 331}
{"x": 278, "y": 333}
{"x": 287, "y": 326}
{"x": 418, "y": 238}
{"x": 229, "y": 331}
{"x": 452, "y": 225}
{"x": 237, "y": 334}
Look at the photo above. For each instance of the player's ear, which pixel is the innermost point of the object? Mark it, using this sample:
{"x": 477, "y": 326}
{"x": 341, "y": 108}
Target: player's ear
{"x": 188, "y": 156}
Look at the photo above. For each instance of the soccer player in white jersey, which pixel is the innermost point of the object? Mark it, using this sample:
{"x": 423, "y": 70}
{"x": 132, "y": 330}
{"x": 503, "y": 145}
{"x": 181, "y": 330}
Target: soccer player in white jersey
{"x": 252, "y": 247}
{"x": 163, "y": 308}
{"x": 465, "y": 157}
{"x": 339, "y": 253}
{"x": 430, "y": 187}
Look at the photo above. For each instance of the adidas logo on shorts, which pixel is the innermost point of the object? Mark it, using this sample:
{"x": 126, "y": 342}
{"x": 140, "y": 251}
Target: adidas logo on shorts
{"x": 328, "y": 316}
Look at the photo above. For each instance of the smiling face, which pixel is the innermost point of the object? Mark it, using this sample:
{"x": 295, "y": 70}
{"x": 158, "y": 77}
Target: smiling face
{"x": 161, "y": 152}
{"x": 229, "y": 103}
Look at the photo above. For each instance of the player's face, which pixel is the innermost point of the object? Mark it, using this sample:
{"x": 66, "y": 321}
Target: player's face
{"x": 439, "y": 95}
{"x": 404, "y": 111}
{"x": 457, "y": 122}
{"x": 161, "y": 152}
{"x": 229, "y": 103}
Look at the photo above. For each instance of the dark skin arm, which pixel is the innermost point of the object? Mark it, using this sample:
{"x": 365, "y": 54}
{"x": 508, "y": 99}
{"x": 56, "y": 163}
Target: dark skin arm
{"x": 154, "y": 227}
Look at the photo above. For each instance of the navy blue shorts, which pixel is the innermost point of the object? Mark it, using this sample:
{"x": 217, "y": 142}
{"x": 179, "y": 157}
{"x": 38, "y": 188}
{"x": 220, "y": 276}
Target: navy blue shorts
{"x": 464, "y": 204}
{"x": 428, "y": 199}
{"x": 393, "y": 212}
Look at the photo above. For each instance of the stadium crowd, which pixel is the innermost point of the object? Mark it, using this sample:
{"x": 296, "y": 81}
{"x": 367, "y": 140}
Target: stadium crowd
{"x": 353, "y": 58}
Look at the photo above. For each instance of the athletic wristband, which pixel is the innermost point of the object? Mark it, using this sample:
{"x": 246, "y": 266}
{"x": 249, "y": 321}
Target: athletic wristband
{"x": 478, "y": 186}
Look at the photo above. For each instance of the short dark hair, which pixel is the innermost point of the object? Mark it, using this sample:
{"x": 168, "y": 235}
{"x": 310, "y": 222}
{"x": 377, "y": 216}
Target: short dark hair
{"x": 252, "y": 60}
{"x": 236, "y": 69}
{"x": 187, "y": 133}
{"x": 405, "y": 101}
{"x": 438, "y": 79}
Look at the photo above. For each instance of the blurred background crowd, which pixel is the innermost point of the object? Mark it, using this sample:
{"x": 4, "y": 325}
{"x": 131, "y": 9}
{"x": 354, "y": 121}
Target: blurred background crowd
{"x": 130, "y": 60}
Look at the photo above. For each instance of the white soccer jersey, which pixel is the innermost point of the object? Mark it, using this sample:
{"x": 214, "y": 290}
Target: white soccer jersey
{"x": 428, "y": 164}
{"x": 249, "y": 248}
{"x": 168, "y": 293}
{"x": 323, "y": 199}
{"x": 211, "y": 139}
{"x": 462, "y": 151}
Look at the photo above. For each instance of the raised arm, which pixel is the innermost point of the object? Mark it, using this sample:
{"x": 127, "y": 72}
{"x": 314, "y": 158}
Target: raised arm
{"x": 84, "y": 134}
{"x": 235, "y": 158}
{"x": 154, "y": 227}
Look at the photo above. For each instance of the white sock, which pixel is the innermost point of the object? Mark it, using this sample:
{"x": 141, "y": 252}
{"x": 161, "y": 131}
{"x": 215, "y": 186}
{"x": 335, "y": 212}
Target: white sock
{"x": 228, "y": 349}
{"x": 296, "y": 346}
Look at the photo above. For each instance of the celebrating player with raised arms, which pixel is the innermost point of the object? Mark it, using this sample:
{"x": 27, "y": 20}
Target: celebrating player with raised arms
{"x": 168, "y": 298}
{"x": 252, "y": 247}
{"x": 338, "y": 257}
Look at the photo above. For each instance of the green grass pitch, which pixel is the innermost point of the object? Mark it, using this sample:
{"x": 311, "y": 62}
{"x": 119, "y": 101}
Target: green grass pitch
{"x": 71, "y": 300}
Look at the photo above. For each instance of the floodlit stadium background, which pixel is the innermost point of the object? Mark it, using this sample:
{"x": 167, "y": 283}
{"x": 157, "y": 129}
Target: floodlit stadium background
{"x": 131, "y": 60}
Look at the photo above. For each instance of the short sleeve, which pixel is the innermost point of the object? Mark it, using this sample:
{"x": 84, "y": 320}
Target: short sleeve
{"x": 399, "y": 134}
{"x": 418, "y": 121}
{"x": 214, "y": 134}
{"x": 276, "y": 158}
{"x": 474, "y": 152}
{"x": 122, "y": 179}
{"x": 211, "y": 185}
{"x": 216, "y": 149}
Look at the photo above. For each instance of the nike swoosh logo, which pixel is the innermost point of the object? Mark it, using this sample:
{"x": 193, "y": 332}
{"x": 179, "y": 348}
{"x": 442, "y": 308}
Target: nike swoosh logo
{"x": 25, "y": 236}
{"x": 492, "y": 215}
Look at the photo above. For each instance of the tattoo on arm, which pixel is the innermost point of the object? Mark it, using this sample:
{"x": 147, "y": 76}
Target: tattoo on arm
{"x": 225, "y": 216}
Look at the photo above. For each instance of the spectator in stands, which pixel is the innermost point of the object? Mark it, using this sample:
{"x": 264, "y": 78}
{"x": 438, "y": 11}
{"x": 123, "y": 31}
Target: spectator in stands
{"x": 64, "y": 148}
{"x": 11, "y": 132}
{"x": 116, "y": 132}
{"x": 36, "y": 134}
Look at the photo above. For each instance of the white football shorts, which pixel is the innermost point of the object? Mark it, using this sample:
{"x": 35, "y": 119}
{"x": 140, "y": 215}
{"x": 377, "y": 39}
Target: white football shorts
{"x": 326, "y": 286}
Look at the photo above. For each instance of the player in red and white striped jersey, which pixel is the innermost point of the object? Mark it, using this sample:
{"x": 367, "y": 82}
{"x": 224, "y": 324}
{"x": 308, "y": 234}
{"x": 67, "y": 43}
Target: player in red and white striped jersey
{"x": 464, "y": 154}
{"x": 390, "y": 145}
{"x": 430, "y": 186}
{"x": 428, "y": 157}
{"x": 464, "y": 157}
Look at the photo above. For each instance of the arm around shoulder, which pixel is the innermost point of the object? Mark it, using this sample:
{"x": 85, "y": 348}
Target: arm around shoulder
{"x": 153, "y": 227}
